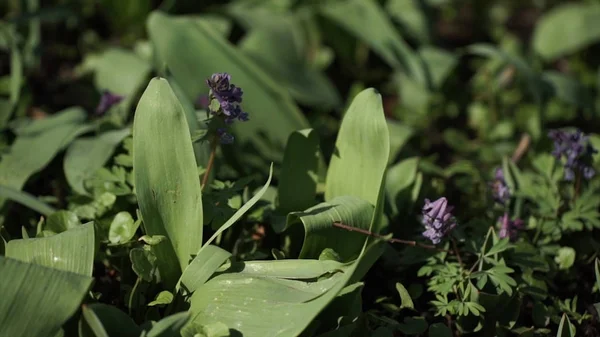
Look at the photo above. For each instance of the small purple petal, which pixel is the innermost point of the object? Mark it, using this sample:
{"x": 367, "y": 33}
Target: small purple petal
{"x": 107, "y": 100}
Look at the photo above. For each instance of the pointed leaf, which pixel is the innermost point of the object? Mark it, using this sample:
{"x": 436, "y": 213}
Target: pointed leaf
{"x": 166, "y": 178}
{"x": 72, "y": 250}
{"x": 360, "y": 158}
{"x": 36, "y": 300}
{"x": 106, "y": 320}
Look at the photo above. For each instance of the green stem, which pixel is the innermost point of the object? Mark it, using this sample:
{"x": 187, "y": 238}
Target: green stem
{"x": 211, "y": 161}
{"x": 137, "y": 282}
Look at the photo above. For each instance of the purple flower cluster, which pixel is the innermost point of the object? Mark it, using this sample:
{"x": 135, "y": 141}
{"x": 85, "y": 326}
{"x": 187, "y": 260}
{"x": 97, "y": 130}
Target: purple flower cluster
{"x": 229, "y": 97}
{"x": 437, "y": 219}
{"x": 107, "y": 100}
{"x": 509, "y": 228}
{"x": 500, "y": 191}
{"x": 577, "y": 150}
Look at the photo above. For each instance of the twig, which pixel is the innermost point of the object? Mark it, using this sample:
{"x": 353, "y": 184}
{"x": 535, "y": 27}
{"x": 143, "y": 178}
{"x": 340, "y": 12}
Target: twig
{"x": 211, "y": 161}
{"x": 391, "y": 240}
{"x": 521, "y": 148}
{"x": 456, "y": 252}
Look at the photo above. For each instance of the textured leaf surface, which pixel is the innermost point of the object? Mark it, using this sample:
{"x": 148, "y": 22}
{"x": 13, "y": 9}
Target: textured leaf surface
{"x": 72, "y": 250}
{"x": 37, "y": 300}
{"x": 166, "y": 178}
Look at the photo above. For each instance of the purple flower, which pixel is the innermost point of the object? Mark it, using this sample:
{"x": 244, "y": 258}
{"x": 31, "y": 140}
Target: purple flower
{"x": 226, "y": 138}
{"x": 228, "y": 96}
{"x": 500, "y": 191}
{"x": 577, "y": 150}
{"x": 437, "y": 219}
{"x": 509, "y": 228}
{"x": 107, "y": 100}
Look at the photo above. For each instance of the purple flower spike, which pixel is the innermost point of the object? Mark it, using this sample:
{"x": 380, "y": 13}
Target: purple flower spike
{"x": 437, "y": 219}
{"x": 509, "y": 228}
{"x": 107, "y": 100}
{"x": 500, "y": 191}
{"x": 226, "y": 138}
{"x": 577, "y": 150}
{"x": 229, "y": 97}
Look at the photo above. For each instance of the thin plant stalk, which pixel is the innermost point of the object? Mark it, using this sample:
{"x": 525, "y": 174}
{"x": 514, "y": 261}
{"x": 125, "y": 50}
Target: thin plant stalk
{"x": 211, "y": 161}
{"x": 390, "y": 240}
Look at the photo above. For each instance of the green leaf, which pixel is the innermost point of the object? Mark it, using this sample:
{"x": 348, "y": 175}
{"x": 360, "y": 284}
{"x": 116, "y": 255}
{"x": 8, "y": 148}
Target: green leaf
{"x": 283, "y": 304}
{"x": 411, "y": 15}
{"x": 398, "y": 180}
{"x": 379, "y": 34}
{"x": 565, "y": 328}
{"x": 180, "y": 45}
{"x": 298, "y": 178}
{"x": 399, "y": 136}
{"x": 568, "y": 89}
{"x": 439, "y": 63}
{"x": 107, "y": 321}
{"x": 163, "y": 298}
{"x": 122, "y": 228}
{"x": 281, "y": 48}
{"x": 196, "y": 267}
{"x": 37, "y": 301}
{"x": 576, "y": 25}
{"x": 143, "y": 263}
{"x": 413, "y": 325}
{"x": 208, "y": 260}
{"x": 439, "y": 330}
{"x": 499, "y": 247}
{"x": 565, "y": 257}
{"x": 120, "y": 71}
{"x": 166, "y": 178}
{"x": 152, "y": 240}
{"x": 404, "y": 296}
{"x": 168, "y": 326}
{"x": 72, "y": 250}
{"x": 37, "y": 143}
{"x": 86, "y": 155}
{"x": 360, "y": 158}
{"x": 26, "y": 200}
{"x": 61, "y": 221}
{"x": 319, "y": 232}
{"x": 288, "y": 269}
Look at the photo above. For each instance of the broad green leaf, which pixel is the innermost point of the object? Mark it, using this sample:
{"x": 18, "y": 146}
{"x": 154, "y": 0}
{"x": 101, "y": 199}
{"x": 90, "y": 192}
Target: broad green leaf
{"x": 319, "y": 232}
{"x": 37, "y": 143}
{"x": 180, "y": 45}
{"x": 282, "y": 50}
{"x": 360, "y": 158}
{"x": 398, "y": 179}
{"x": 72, "y": 250}
{"x": 208, "y": 260}
{"x": 26, "y": 200}
{"x": 298, "y": 179}
{"x": 412, "y": 17}
{"x": 399, "y": 136}
{"x": 284, "y": 305}
{"x": 201, "y": 149}
{"x": 86, "y": 155}
{"x": 108, "y": 321}
{"x": 168, "y": 326}
{"x": 499, "y": 247}
{"x": 120, "y": 71}
{"x": 166, "y": 178}
{"x": 36, "y": 300}
{"x": 575, "y": 25}
{"x": 379, "y": 34}
{"x": 61, "y": 221}
{"x": 404, "y": 296}
{"x": 122, "y": 228}
{"x": 439, "y": 64}
{"x": 566, "y": 328}
{"x": 196, "y": 273}
{"x": 288, "y": 269}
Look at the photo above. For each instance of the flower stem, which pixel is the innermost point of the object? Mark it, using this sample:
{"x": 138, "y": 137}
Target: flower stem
{"x": 456, "y": 252}
{"x": 211, "y": 161}
{"x": 577, "y": 186}
{"x": 392, "y": 240}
